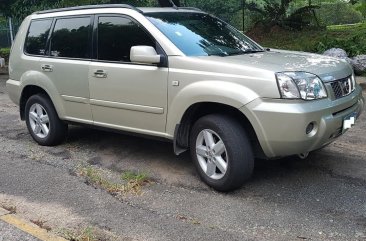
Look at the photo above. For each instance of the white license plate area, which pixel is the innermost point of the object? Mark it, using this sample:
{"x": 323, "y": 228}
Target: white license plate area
{"x": 349, "y": 121}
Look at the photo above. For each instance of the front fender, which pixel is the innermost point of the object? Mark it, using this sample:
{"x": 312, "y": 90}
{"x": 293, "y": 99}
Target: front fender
{"x": 213, "y": 91}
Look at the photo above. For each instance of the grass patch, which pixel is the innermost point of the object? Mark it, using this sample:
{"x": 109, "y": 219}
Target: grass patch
{"x": 87, "y": 234}
{"x": 133, "y": 181}
{"x": 132, "y": 176}
{"x": 345, "y": 27}
{"x": 351, "y": 38}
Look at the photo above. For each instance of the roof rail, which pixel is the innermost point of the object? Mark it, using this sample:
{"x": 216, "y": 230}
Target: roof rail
{"x": 89, "y": 7}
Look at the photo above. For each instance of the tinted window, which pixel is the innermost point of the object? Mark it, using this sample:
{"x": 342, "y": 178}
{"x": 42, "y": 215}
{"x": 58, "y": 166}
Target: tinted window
{"x": 70, "y": 38}
{"x": 37, "y": 37}
{"x": 200, "y": 34}
{"x": 116, "y": 36}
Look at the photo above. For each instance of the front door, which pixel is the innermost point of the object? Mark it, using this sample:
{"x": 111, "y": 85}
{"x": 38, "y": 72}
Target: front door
{"x": 126, "y": 95}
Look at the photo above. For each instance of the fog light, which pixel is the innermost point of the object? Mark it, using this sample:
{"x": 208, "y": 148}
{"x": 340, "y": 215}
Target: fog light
{"x": 310, "y": 128}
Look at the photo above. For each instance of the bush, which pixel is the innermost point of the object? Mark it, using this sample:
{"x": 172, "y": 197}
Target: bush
{"x": 361, "y": 7}
{"x": 4, "y": 53}
{"x": 351, "y": 38}
{"x": 338, "y": 13}
{"x": 354, "y": 45}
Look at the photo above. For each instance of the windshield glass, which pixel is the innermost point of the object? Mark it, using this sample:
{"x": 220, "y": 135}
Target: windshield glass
{"x": 200, "y": 34}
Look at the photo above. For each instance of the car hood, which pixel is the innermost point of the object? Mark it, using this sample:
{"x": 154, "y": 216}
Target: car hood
{"x": 327, "y": 68}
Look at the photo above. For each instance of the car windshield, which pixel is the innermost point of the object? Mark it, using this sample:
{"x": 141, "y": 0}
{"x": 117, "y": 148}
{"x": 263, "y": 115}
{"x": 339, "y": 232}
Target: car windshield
{"x": 200, "y": 34}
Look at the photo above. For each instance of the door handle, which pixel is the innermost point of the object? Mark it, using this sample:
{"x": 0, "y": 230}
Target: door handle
{"x": 100, "y": 74}
{"x": 47, "y": 67}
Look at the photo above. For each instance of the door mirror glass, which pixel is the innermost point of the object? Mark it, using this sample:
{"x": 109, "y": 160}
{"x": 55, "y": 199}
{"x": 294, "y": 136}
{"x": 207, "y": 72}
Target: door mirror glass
{"x": 144, "y": 54}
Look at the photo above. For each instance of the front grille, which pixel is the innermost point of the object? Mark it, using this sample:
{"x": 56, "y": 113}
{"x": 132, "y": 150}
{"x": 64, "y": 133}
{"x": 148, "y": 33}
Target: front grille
{"x": 342, "y": 87}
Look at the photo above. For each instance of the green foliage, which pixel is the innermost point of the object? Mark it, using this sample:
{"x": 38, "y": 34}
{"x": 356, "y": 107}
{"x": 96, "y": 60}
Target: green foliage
{"x": 133, "y": 176}
{"x": 339, "y": 13}
{"x": 361, "y": 7}
{"x": 354, "y": 45}
{"x": 4, "y": 53}
{"x": 3, "y": 21}
{"x": 291, "y": 14}
{"x": 300, "y": 14}
{"x": 351, "y": 38}
{"x": 303, "y": 17}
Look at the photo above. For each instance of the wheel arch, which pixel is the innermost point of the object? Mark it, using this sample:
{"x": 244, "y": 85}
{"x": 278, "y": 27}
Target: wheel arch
{"x": 29, "y": 91}
{"x": 33, "y": 82}
{"x": 198, "y": 110}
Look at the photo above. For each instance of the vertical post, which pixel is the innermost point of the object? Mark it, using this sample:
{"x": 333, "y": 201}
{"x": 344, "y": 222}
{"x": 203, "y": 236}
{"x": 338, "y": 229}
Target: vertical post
{"x": 11, "y": 31}
{"x": 243, "y": 9}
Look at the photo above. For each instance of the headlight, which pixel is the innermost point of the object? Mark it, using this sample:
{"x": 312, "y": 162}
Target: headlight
{"x": 353, "y": 82}
{"x": 296, "y": 85}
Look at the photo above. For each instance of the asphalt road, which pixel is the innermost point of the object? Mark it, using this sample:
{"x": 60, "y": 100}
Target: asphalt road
{"x": 320, "y": 198}
{"x": 9, "y": 233}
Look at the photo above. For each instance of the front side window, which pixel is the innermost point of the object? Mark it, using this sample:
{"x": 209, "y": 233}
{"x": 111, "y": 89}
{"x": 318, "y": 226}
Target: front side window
{"x": 116, "y": 36}
{"x": 35, "y": 43}
{"x": 199, "y": 34}
{"x": 70, "y": 38}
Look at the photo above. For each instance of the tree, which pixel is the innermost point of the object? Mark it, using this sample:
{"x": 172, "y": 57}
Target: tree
{"x": 283, "y": 13}
{"x": 4, "y": 7}
{"x": 223, "y": 9}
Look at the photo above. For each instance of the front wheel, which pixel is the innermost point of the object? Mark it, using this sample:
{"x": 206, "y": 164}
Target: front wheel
{"x": 42, "y": 121}
{"x": 222, "y": 152}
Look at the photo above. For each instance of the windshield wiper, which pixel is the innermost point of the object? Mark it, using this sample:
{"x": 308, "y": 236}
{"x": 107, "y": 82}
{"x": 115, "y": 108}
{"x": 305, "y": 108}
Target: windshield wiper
{"x": 249, "y": 51}
{"x": 224, "y": 54}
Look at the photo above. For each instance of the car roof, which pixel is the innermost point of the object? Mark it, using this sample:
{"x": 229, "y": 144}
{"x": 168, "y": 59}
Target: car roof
{"x": 126, "y": 6}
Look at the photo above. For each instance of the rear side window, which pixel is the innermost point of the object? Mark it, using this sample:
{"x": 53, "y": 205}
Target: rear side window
{"x": 70, "y": 38}
{"x": 36, "y": 40}
{"x": 116, "y": 36}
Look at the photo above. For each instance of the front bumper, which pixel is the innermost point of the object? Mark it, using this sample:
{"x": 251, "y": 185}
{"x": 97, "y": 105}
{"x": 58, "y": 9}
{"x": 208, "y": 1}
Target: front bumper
{"x": 281, "y": 124}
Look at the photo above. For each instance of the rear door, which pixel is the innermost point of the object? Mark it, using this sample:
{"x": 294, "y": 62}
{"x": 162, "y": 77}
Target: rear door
{"x": 67, "y": 64}
{"x": 123, "y": 94}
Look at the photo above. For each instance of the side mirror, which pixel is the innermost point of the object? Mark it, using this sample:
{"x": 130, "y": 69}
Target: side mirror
{"x": 144, "y": 54}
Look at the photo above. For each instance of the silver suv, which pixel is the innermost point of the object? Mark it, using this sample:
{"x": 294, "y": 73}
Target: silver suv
{"x": 179, "y": 74}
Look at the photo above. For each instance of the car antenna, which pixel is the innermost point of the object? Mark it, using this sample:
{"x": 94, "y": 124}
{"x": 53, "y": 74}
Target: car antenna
{"x": 167, "y": 3}
{"x": 173, "y": 4}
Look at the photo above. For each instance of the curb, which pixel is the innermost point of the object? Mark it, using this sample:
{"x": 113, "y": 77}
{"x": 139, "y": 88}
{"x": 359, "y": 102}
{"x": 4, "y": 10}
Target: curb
{"x": 27, "y": 227}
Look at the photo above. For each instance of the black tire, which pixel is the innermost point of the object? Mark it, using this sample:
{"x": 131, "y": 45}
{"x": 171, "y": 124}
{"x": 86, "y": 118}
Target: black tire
{"x": 238, "y": 151}
{"x": 57, "y": 128}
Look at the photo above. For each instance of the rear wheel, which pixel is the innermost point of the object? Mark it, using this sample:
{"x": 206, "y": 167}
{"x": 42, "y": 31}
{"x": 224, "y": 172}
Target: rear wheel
{"x": 42, "y": 121}
{"x": 221, "y": 151}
